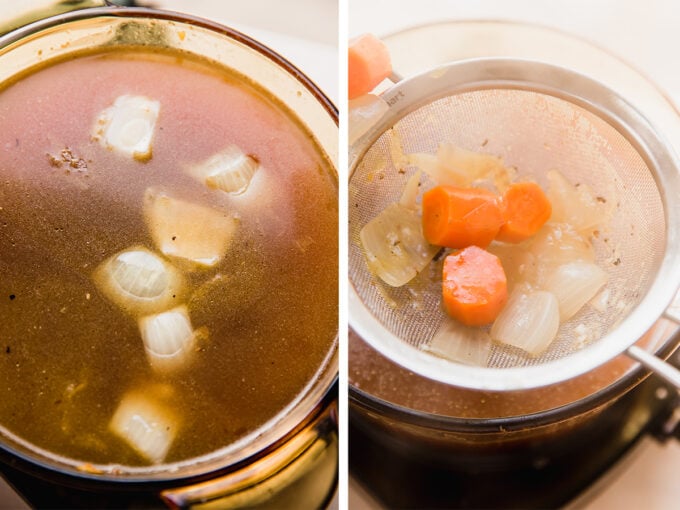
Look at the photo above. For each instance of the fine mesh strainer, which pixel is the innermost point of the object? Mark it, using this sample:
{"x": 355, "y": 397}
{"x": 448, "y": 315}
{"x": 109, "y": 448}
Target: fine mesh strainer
{"x": 538, "y": 117}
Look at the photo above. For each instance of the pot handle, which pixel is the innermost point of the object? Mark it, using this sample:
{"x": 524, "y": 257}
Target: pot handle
{"x": 302, "y": 473}
{"x": 664, "y": 370}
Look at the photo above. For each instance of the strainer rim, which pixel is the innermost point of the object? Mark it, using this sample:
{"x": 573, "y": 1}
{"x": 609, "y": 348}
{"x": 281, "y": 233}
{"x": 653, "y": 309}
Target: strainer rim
{"x": 607, "y": 105}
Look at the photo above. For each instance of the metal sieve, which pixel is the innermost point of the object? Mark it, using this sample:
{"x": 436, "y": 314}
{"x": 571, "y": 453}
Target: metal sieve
{"x": 537, "y": 117}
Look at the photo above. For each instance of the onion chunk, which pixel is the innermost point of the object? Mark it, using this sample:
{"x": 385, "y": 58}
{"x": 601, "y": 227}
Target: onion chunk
{"x": 168, "y": 338}
{"x": 574, "y": 284}
{"x": 229, "y": 170}
{"x": 457, "y": 342}
{"x": 190, "y": 232}
{"x": 394, "y": 245}
{"x": 145, "y": 425}
{"x": 128, "y": 126}
{"x": 529, "y": 321}
{"x": 139, "y": 281}
{"x": 576, "y": 205}
{"x": 456, "y": 166}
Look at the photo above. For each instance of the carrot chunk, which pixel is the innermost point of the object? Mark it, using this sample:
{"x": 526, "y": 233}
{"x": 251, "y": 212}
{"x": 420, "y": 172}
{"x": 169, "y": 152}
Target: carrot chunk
{"x": 460, "y": 217}
{"x": 525, "y": 209}
{"x": 474, "y": 288}
{"x": 368, "y": 64}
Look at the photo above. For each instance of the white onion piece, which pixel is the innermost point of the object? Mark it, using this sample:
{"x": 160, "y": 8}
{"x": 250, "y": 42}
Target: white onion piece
{"x": 576, "y": 205}
{"x": 139, "y": 281}
{"x": 168, "y": 338}
{"x": 456, "y": 166}
{"x": 396, "y": 150}
{"x": 601, "y": 301}
{"x": 528, "y": 321}
{"x": 229, "y": 170}
{"x": 535, "y": 260}
{"x": 145, "y": 425}
{"x": 363, "y": 113}
{"x": 188, "y": 231}
{"x": 457, "y": 342}
{"x": 574, "y": 284}
{"x": 409, "y": 196}
{"x": 128, "y": 126}
{"x": 140, "y": 273}
{"x": 394, "y": 246}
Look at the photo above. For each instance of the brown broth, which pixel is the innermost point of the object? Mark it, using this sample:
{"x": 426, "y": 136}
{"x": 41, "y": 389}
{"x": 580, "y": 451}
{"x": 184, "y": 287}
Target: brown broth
{"x": 67, "y": 354}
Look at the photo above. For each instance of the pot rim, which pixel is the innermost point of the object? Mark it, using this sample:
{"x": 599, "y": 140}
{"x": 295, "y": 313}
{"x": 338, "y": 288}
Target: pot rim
{"x": 365, "y": 402}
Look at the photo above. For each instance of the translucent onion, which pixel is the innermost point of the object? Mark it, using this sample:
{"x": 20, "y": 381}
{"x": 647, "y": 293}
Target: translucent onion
{"x": 363, "y": 113}
{"x": 457, "y": 342}
{"x": 534, "y": 261}
{"x": 229, "y": 170}
{"x": 601, "y": 301}
{"x": 145, "y": 425}
{"x": 576, "y": 205}
{"x": 394, "y": 246}
{"x": 574, "y": 284}
{"x": 168, "y": 338}
{"x": 409, "y": 196}
{"x": 187, "y": 231}
{"x": 396, "y": 150}
{"x": 128, "y": 126}
{"x": 139, "y": 281}
{"x": 529, "y": 321}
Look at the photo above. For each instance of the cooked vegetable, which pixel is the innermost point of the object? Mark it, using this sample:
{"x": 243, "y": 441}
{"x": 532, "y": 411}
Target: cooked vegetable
{"x": 145, "y": 425}
{"x": 536, "y": 259}
{"x": 456, "y": 166}
{"x": 574, "y": 284}
{"x": 529, "y": 321}
{"x": 474, "y": 287}
{"x": 576, "y": 204}
{"x": 128, "y": 126}
{"x": 168, "y": 338}
{"x": 394, "y": 246}
{"x": 409, "y": 196}
{"x": 139, "y": 281}
{"x": 460, "y": 217}
{"x": 525, "y": 209}
{"x": 229, "y": 170}
{"x": 188, "y": 231}
{"x": 368, "y": 63}
{"x": 464, "y": 344}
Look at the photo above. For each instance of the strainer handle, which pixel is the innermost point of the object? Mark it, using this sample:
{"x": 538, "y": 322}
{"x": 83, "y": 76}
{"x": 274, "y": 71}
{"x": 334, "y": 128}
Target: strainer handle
{"x": 664, "y": 370}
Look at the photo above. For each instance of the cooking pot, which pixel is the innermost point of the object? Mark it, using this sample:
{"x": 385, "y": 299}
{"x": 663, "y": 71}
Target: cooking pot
{"x": 292, "y": 460}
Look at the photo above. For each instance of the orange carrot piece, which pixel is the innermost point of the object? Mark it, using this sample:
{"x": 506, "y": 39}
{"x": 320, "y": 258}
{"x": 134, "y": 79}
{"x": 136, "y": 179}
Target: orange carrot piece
{"x": 474, "y": 287}
{"x": 368, "y": 64}
{"x": 525, "y": 209}
{"x": 460, "y": 217}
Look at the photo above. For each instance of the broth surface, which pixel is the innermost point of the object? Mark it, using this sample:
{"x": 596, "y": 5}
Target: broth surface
{"x": 68, "y": 354}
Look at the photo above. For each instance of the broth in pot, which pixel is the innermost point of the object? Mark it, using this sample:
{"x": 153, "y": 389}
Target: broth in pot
{"x": 168, "y": 259}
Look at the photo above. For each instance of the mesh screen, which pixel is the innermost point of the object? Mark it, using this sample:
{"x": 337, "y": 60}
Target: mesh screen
{"x": 534, "y": 133}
